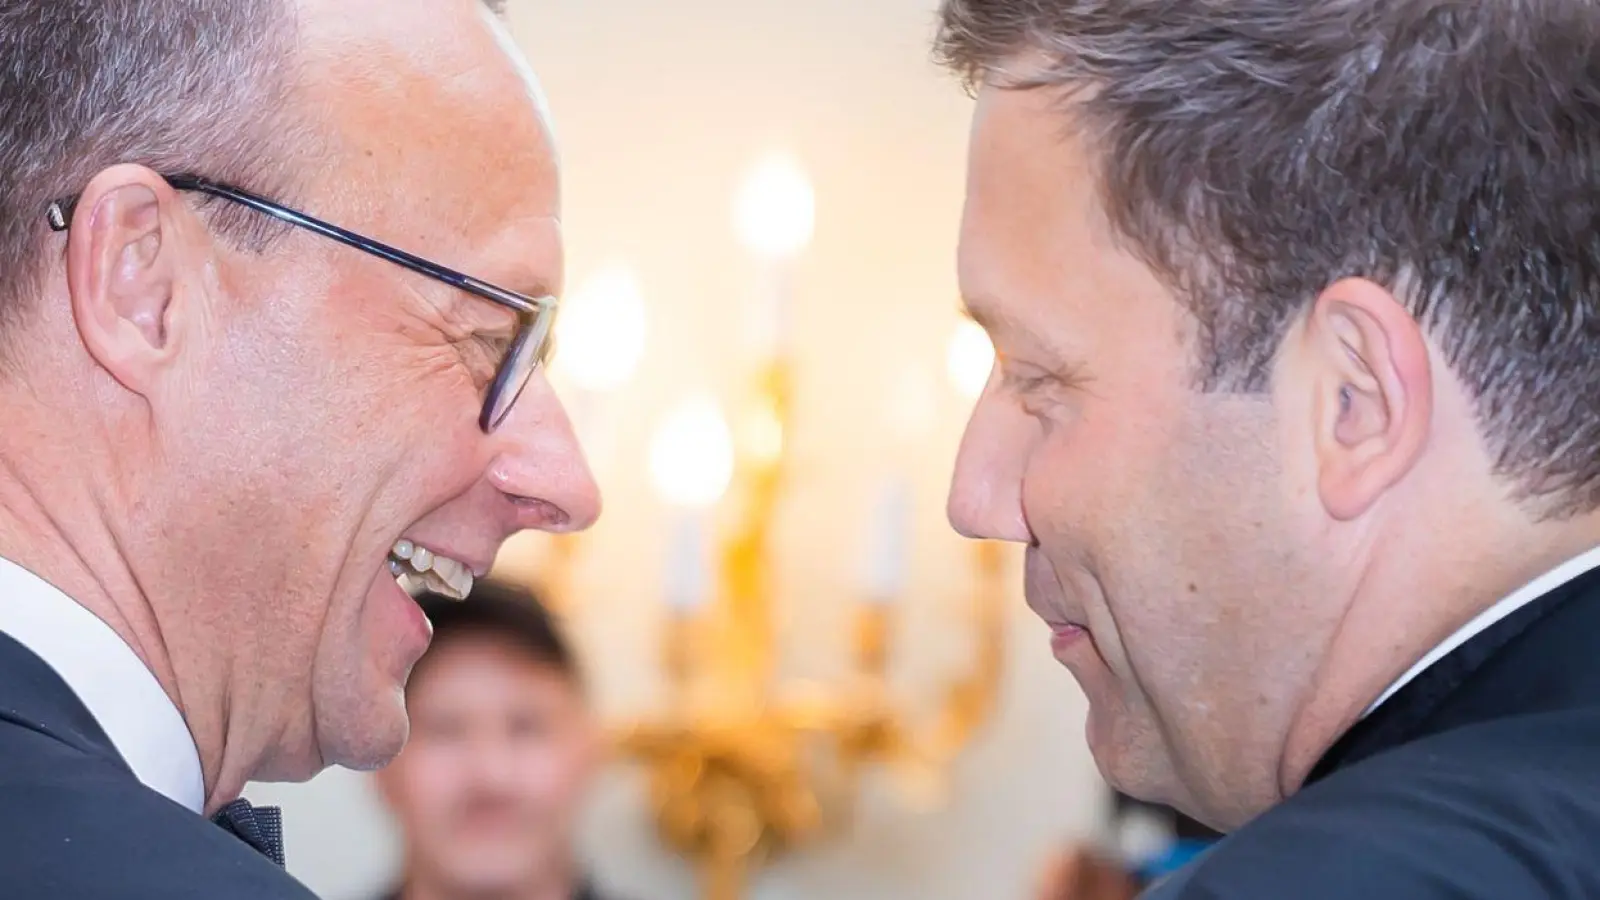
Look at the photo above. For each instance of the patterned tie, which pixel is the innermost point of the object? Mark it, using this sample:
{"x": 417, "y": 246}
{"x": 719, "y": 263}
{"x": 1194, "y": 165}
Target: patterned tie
{"x": 259, "y": 826}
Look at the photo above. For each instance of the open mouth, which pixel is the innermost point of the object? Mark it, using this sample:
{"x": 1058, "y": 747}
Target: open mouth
{"x": 420, "y": 571}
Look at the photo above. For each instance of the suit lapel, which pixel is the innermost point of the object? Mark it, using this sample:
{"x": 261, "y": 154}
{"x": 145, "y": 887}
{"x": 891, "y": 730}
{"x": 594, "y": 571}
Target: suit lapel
{"x": 34, "y": 697}
{"x": 1451, "y": 693}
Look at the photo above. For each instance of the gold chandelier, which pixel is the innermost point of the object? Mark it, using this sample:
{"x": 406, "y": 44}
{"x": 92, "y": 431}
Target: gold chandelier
{"x": 738, "y": 770}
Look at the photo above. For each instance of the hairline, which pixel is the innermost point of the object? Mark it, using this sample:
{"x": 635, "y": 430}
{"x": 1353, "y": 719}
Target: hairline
{"x": 1189, "y": 237}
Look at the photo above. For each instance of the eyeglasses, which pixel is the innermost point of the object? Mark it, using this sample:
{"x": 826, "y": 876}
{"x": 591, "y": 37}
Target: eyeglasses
{"x": 535, "y": 315}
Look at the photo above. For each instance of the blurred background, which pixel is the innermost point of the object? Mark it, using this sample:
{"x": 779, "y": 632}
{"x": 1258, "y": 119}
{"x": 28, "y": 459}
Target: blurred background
{"x": 756, "y": 194}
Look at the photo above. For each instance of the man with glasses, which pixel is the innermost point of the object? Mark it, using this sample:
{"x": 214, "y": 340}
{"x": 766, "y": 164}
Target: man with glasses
{"x": 252, "y": 404}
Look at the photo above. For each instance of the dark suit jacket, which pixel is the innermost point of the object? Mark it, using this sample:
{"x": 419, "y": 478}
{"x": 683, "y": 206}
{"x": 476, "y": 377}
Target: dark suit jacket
{"x": 1479, "y": 780}
{"x": 75, "y": 824}
{"x": 585, "y": 892}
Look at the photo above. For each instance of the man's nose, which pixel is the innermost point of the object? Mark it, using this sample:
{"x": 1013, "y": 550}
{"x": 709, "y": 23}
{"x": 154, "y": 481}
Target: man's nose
{"x": 495, "y": 765}
{"x": 540, "y": 466}
{"x": 986, "y": 490}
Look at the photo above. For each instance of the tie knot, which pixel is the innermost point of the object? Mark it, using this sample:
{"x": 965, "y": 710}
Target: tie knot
{"x": 259, "y": 826}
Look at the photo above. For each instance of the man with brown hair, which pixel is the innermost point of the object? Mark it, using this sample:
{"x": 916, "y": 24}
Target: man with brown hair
{"x": 276, "y": 277}
{"x": 1297, "y": 400}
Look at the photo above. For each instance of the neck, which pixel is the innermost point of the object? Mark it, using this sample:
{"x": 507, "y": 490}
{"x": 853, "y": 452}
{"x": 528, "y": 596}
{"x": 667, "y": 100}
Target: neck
{"x": 65, "y": 509}
{"x": 556, "y": 885}
{"x": 58, "y": 542}
{"x": 1427, "y": 584}
{"x": 52, "y": 526}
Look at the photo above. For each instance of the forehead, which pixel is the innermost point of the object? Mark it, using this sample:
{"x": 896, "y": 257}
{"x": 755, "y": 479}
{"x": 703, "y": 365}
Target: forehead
{"x": 436, "y": 134}
{"x": 484, "y": 670}
{"x": 1038, "y": 256}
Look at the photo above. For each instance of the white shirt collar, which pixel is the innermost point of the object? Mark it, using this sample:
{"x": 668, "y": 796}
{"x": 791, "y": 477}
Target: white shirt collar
{"x": 1528, "y": 593}
{"x": 105, "y": 673}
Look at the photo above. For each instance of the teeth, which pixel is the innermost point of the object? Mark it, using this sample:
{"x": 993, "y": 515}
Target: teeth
{"x": 413, "y": 584}
{"x": 420, "y": 570}
{"x": 453, "y": 573}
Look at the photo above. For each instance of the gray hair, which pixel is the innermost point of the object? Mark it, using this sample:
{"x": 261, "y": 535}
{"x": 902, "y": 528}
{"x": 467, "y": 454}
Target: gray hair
{"x": 1254, "y": 151}
{"x": 176, "y": 85}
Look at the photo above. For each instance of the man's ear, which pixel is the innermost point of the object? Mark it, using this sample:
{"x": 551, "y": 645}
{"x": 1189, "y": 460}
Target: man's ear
{"x": 125, "y": 261}
{"x": 1373, "y": 403}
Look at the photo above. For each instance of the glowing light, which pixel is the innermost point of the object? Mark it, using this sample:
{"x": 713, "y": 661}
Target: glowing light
{"x": 970, "y": 359}
{"x": 775, "y": 211}
{"x": 601, "y": 331}
{"x": 691, "y": 457}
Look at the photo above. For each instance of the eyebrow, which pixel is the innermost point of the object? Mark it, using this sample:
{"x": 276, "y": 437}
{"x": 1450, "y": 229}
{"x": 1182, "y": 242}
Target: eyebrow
{"x": 994, "y": 319}
{"x": 485, "y": 318}
{"x": 520, "y": 279}
{"x": 984, "y": 312}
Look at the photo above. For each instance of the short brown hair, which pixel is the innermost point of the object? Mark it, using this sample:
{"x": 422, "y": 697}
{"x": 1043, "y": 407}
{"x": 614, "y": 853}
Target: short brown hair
{"x": 1255, "y": 151}
{"x": 503, "y": 611}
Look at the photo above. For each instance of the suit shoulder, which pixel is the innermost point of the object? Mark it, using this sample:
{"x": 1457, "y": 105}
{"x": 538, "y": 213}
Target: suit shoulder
{"x": 103, "y": 834}
{"x": 1509, "y": 809}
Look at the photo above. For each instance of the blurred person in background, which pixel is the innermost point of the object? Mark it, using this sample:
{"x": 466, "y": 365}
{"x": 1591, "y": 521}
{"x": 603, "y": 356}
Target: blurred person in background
{"x": 489, "y": 791}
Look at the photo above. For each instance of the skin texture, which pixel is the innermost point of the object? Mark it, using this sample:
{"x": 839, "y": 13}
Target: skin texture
{"x": 1252, "y": 571}
{"x": 489, "y": 789}
{"x": 213, "y": 448}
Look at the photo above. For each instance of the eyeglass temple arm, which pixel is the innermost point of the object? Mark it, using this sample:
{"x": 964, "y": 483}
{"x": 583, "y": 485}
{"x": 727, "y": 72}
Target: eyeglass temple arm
{"x": 59, "y": 215}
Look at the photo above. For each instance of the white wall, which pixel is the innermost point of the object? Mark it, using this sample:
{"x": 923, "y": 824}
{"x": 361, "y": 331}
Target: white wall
{"x": 659, "y": 106}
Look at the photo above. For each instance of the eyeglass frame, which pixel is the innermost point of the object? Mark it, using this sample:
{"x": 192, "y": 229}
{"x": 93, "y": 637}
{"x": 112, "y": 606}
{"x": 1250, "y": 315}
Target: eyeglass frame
{"x": 535, "y": 315}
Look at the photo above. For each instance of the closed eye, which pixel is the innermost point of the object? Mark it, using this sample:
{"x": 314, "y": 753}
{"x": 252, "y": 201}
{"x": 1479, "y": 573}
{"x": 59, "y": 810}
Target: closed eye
{"x": 1029, "y": 384}
{"x": 1041, "y": 393}
{"x": 495, "y": 346}
{"x": 483, "y": 353}
{"x": 1023, "y": 378}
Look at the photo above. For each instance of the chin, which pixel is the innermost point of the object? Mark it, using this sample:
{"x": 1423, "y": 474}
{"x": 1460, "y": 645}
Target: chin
{"x": 371, "y": 736}
{"x": 361, "y": 704}
{"x": 492, "y": 874}
{"x": 1101, "y": 733}
{"x": 1128, "y": 758}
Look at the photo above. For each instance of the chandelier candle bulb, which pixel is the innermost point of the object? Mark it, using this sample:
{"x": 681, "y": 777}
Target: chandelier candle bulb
{"x": 888, "y": 543}
{"x": 602, "y": 331}
{"x": 774, "y": 215}
{"x": 688, "y": 571}
{"x": 770, "y": 322}
{"x": 969, "y": 358}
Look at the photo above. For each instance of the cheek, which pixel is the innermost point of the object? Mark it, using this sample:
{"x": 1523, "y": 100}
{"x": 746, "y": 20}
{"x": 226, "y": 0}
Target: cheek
{"x": 1197, "y": 564}
{"x": 431, "y": 780}
{"x": 548, "y": 774}
{"x": 1106, "y": 512}
{"x": 387, "y": 378}
{"x": 1084, "y": 489}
